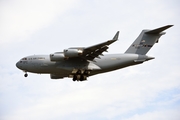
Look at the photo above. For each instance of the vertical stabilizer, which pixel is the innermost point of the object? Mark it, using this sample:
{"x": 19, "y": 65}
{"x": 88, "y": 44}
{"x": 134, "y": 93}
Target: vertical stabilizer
{"x": 146, "y": 40}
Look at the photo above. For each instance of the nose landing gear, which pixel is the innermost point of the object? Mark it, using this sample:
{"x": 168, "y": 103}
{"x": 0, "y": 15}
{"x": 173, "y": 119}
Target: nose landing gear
{"x": 25, "y": 75}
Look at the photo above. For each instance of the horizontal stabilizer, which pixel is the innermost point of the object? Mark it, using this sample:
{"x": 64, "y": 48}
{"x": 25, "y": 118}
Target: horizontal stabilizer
{"x": 158, "y": 30}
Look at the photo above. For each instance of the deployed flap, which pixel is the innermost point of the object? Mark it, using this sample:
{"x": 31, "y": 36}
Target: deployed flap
{"x": 94, "y": 51}
{"x": 158, "y": 30}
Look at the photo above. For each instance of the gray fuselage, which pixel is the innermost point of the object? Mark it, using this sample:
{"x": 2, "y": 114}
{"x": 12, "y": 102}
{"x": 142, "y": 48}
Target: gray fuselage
{"x": 43, "y": 65}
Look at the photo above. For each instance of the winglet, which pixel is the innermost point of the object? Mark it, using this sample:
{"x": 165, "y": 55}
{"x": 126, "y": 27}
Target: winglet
{"x": 158, "y": 30}
{"x": 116, "y": 36}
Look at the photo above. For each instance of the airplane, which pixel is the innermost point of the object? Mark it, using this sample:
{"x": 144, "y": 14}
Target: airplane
{"x": 79, "y": 63}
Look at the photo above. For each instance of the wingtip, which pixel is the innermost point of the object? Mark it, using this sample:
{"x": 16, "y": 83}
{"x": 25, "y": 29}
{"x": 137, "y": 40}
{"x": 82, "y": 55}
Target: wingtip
{"x": 169, "y": 26}
{"x": 116, "y": 36}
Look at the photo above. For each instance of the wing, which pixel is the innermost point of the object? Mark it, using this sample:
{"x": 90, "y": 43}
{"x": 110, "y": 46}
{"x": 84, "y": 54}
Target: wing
{"x": 95, "y": 51}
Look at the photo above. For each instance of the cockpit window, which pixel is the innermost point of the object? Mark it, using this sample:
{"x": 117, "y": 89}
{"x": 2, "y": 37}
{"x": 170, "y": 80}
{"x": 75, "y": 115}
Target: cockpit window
{"x": 24, "y": 59}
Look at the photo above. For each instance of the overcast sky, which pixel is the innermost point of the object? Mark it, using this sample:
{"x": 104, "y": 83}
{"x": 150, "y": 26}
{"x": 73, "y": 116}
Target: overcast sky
{"x": 150, "y": 91}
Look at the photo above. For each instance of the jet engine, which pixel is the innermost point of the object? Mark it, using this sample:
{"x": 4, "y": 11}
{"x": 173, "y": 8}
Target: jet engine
{"x": 68, "y": 53}
{"x": 57, "y": 57}
{"x": 72, "y": 52}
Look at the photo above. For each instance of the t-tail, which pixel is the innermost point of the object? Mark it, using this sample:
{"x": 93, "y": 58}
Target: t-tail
{"x": 146, "y": 40}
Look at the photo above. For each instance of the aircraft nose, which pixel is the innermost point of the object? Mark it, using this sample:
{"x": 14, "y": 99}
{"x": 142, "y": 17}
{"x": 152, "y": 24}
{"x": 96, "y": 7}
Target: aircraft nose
{"x": 18, "y": 65}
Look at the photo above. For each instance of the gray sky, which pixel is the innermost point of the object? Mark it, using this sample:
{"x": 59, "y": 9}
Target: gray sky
{"x": 150, "y": 91}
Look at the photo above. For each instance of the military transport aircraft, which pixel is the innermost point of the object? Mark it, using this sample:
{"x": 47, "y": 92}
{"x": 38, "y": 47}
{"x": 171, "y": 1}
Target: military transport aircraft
{"x": 81, "y": 62}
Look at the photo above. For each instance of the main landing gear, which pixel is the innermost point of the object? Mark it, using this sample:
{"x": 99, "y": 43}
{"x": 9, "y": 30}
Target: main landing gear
{"x": 81, "y": 75}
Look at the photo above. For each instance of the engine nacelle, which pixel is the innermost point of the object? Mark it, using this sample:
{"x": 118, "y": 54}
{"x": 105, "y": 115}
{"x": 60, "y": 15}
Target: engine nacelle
{"x": 72, "y": 52}
{"x": 57, "y": 57}
{"x": 53, "y": 76}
